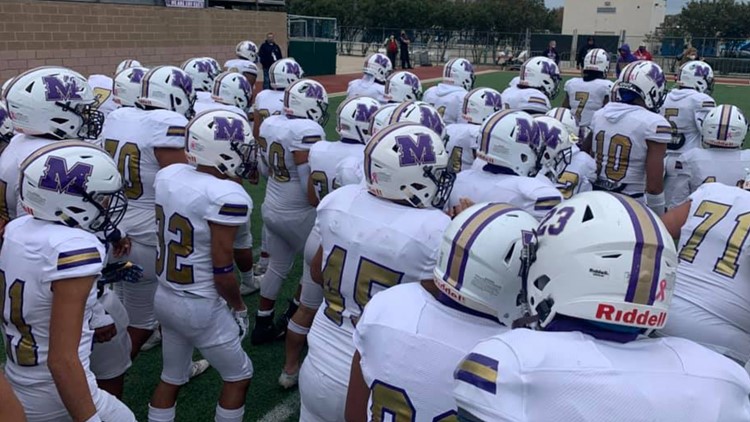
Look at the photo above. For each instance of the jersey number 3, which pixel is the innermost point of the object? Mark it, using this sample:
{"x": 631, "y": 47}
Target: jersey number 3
{"x": 176, "y": 249}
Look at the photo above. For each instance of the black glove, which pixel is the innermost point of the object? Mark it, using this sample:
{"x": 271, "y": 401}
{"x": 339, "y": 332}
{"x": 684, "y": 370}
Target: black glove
{"x": 121, "y": 271}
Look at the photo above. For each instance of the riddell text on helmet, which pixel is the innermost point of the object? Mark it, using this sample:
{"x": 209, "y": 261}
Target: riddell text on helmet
{"x": 635, "y": 316}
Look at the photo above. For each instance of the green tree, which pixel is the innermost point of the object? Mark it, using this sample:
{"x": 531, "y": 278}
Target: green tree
{"x": 715, "y": 18}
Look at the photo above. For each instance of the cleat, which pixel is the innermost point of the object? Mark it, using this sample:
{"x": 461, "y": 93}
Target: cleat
{"x": 265, "y": 331}
{"x": 198, "y": 367}
{"x": 250, "y": 286}
{"x": 152, "y": 341}
{"x": 288, "y": 381}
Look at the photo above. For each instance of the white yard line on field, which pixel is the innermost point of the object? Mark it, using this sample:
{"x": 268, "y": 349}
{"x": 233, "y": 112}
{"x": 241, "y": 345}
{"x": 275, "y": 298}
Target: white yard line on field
{"x": 284, "y": 410}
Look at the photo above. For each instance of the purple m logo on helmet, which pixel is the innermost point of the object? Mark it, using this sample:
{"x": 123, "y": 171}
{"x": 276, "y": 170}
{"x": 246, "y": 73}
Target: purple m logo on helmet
{"x": 136, "y": 75}
{"x": 182, "y": 80}
{"x": 550, "y": 68}
{"x": 204, "y": 66}
{"x": 411, "y": 80}
{"x": 415, "y": 151}
{"x": 528, "y": 132}
{"x": 702, "y": 71}
{"x": 381, "y": 60}
{"x": 65, "y": 89}
{"x": 467, "y": 66}
{"x": 656, "y": 75}
{"x": 364, "y": 112}
{"x": 431, "y": 119}
{"x": 314, "y": 91}
{"x": 228, "y": 130}
{"x": 492, "y": 99}
{"x": 245, "y": 86}
{"x": 549, "y": 135}
{"x": 58, "y": 178}
{"x": 292, "y": 68}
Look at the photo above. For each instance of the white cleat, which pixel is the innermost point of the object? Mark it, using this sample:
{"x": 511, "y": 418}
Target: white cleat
{"x": 260, "y": 268}
{"x": 198, "y": 367}
{"x": 250, "y": 285}
{"x": 288, "y": 381}
{"x": 152, "y": 341}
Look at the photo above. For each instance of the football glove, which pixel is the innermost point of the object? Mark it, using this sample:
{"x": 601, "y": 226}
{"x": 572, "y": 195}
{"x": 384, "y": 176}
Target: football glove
{"x": 243, "y": 321}
{"x": 121, "y": 271}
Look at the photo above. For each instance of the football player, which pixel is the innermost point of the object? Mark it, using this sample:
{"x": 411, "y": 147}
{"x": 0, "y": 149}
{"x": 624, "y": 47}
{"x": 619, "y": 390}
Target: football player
{"x": 589, "y": 93}
{"x": 372, "y": 84}
{"x": 599, "y": 273}
{"x": 408, "y": 181}
{"x": 230, "y": 92}
{"x": 245, "y": 63}
{"x": 270, "y": 102}
{"x": 685, "y": 108}
{"x": 722, "y": 158}
{"x": 581, "y": 172}
{"x": 6, "y": 128}
{"x": 142, "y": 140}
{"x": 508, "y": 145}
{"x": 102, "y": 87}
{"x": 402, "y": 86}
{"x": 712, "y": 227}
{"x": 287, "y": 213}
{"x": 555, "y": 150}
{"x": 630, "y": 138}
{"x": 203, "y": 73}
{"x": 446, "y": 317}
{"x": 45, "y": 105}
{"x": 419, "y": 112}
{"x": 49, "y": 263}
{"x": 478, "y": 104}
{"x": 126, "y": 87}
{"x": 352, "y": 125}
{"x": 539, "y": 83}
{"x": 198, "y": 301}
{"x": 448, "y": 96}
{"x": 126, "y": 64}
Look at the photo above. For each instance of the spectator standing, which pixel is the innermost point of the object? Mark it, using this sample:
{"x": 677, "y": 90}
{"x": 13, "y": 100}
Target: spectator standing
{"x": 551, "y": 52}
{"x": 590, "y": 45}
{"x": 688, "y": 54}
{"x": 391, "y": 49}
{"x": 404, "y": 42}
{"x": 624, "y": 58}
{"x": 269, "y": 53}
{"x": 642, "y": 53}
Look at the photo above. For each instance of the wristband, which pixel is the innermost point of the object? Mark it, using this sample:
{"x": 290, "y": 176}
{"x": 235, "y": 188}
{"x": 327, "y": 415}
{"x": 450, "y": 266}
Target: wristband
{"x": 657, "y": 202}
{"x": 224, "y": 270}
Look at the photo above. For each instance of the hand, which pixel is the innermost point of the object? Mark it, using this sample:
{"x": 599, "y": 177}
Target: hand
{"x": 463, "y": 204}
{"x": 105, "y": 334}
{"x": 121, "y": 247}
{"x": 121, "y": 271}
{"x": 243, "y": 321}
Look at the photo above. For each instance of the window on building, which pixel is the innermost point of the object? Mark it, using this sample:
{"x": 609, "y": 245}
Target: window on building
{"x": 606, "y": 10}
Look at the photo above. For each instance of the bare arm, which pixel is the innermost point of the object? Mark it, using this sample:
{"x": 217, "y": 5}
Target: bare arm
{"x": 169, "y": 156}
{"x": 222, "y": 256}
{"x": 312, "y": 198}
{"x": 675, "y": 218}
{"x": 257, "y": 120}
{"x": 10, "y": 407}
{"x": 655, "y": 167}
{"x": 358, "y": 394}
{"x": 68, "y": 305}
{"x": 316, "y": 266}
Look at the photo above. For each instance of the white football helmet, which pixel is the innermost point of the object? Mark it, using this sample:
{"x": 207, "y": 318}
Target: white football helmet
{"x": 419, "y": 112}
{"x": 697, "y": 75}
{"x": 5, "y": 86}
{"x": 567, "y": 118}
{"x": 284, "y": 73}
{"x": 379, "y": 66}
{"x": 127, "y": 86}
{"x": 479, "y": 259}
{"x": 223, "y": 140}
{"x": 126, "y": 64}
{"x": 601, "y": 257}
{"x": 247, "y": 50}
{"x": 73, "y": 183}
{"x": 6, "y": 126}
{"x": 510, "y": 139}
{"x": 381, "y": 118}
{"x": 233, "y": 89}
{"x": 597, "y": 60}
{"x": 480, "y": 103}
{"x": 543, "y": 74}
{"x": 402, "y": 86}
{"x": 555, "y": 147}
{"x": 725, "y": 127}
{"x": 202, "y": 71}
{"x": 459, "y": 72}
{"x": 170, "y": 88}
{"x": 241, "y": 66}
{"x": 408, "y": 162}
{"x": 353, "y": 118}
{"x": 54, "y": 101}
{"x": 308, "y": 99}
{"x": 643, "y": 79}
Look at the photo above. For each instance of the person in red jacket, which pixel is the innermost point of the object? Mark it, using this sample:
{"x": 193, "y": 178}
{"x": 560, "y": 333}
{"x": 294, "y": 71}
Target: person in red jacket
{"x": 642, "y": 53}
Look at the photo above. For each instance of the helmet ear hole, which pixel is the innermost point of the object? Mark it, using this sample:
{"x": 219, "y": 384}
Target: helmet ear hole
{"x": 587, "y": 215}
{"x": 541, "y": 282}
{"x": 509, "y": 255}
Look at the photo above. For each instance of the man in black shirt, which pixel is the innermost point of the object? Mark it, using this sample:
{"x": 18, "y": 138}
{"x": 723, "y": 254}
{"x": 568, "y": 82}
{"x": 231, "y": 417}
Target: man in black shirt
{"x": 269, "y": 53}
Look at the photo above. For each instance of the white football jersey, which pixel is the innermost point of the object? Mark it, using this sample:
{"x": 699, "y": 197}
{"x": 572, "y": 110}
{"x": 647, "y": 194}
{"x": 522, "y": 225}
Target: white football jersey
{"x": 350, "y": 171}
{"x": 534, "y": 195}
{"x": 526, "y": 375}
{"x": 620, "y": 132}
{"x": 130, "y": 136}
{"x": 714, "y": 270}
{"x": 324, "y": 159}
{"x": 268, "y": 102}
{"x": 186, "y": 201}
{"x": 366, "y": 86}
{"x": 530, "y": 100}
{"x": 398, "y": 327}
{"x": 369, "y": 244}
{"x": 280, "y": 136}
{"x": 709, "y": 165}
{"x": 587, "y": 97}
{"x": 462, "y": 142}
{"x": 211, "y": 105}
{"x": 448, "y": 100}
{"x": 36, "y": 253}
{"x": 102, "y": 86}
{"x": 514, "y": 82}
{"x": 685, "y": 109}
{"x": 578, "y": 175}
{"x": 19, "y": 148}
